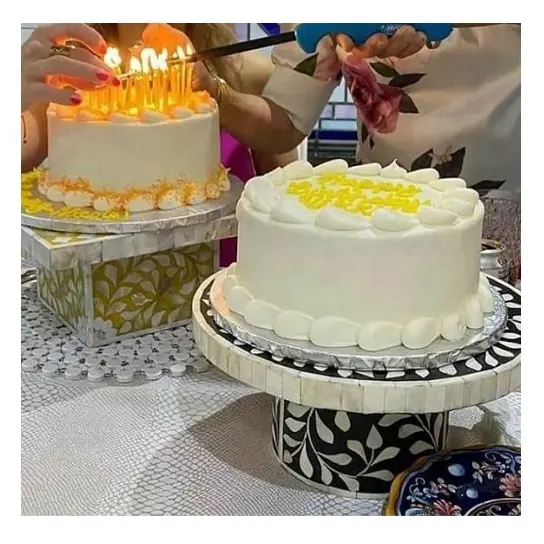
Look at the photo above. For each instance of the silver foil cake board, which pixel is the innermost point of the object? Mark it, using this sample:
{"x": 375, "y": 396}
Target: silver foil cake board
{"x": 54, "y": 250}
{"x": 440, "y": 353}
{"x": 151, "y": 221}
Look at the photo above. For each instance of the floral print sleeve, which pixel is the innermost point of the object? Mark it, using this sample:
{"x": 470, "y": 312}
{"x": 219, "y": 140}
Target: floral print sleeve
{"x": 302, "y": 84}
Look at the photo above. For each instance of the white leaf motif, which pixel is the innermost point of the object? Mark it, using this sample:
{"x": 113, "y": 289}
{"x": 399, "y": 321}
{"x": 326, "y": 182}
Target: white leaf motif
{"x": 502, "y": 352}
{"x": 296, "y": 409}
{"x": 342, "y": 421}
{"x": 341, "y": 459}
{"x": 133, "y": 277}
{"x": 438, "y": 427}
{"x": 287, "y": 457}
{"x": 125, "y": 327}
{"x": 323, "y": 431}
{"x": 374, "y": 439}
{"x": 147, "y": 286}
{"x": 389, "y": 419}
{"x": 387, "y": 453}
{"x": 98, "y": 306}
{"x": 326, "y": 475}
{"x": 294, "y": 425}
{"x": 156, "y": 319}
{"x": 103, "y": 287}
{"x": 111, "y": 273}
{"x": 130, "y": 315}
{"x": 511, "y": 345}
{"x": 120, "y": 293}
{"x": 357, "y": 448}
{"x": 290, "y": 441}
{"x": 162, "y": 259}
{"x": 117, "y": 307}
{"x": 351, "y": 483}
{"x": 305, "y": 464}
{"x": 385, "y": 475}
{"x": 408, "y": 430}
{"x": 419, "y": 447}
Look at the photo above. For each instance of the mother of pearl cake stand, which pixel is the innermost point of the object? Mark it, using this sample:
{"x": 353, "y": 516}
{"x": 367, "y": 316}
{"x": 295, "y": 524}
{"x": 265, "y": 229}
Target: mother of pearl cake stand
{"x": 351, "y": 432}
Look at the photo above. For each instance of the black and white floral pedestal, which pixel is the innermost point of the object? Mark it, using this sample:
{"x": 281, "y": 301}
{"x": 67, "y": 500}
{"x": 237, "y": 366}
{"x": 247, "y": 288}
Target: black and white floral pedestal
{"x": 351, "y": 432}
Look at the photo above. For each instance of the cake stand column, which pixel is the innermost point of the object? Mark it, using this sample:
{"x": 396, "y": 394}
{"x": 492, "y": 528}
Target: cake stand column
{"x": 350, "y": 453}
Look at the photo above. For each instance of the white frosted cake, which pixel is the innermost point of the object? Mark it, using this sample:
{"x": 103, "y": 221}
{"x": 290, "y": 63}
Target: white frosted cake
{"x": 151, "y": 143}
{"x": 364, "y": 256}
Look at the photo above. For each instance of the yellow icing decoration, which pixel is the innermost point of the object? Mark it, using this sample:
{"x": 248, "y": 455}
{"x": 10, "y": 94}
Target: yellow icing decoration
{"x": 354, "y": 195}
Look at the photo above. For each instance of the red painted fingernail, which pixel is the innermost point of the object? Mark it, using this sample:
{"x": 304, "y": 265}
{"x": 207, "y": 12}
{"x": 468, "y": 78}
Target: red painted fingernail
{"x": 103, "y": 48}
{"x": 102, "y": 75}
{"x": 76, "y": 99}
{"x": 116, "y": 82}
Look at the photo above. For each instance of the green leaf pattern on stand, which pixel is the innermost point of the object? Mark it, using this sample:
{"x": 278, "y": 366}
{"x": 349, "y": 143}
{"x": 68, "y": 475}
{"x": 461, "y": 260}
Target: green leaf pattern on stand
{"x": 150, "y": 291}
{"x": 64, "y": 292}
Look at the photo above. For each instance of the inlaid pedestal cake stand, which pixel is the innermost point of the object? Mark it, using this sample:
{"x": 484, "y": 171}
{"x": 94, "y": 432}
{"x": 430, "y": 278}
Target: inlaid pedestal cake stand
{"x": 350, "y": 432}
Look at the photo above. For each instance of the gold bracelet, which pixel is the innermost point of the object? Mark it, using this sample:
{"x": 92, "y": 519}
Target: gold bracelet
{"x": 24, "y": 128}
{"x": 222, "y": 91}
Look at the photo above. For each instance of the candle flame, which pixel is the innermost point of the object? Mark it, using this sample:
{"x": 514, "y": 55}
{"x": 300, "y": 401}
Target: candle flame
{"x": 135, "y": 66}
{"x": 152, "y": 82}
{"x": 112, "y": 58}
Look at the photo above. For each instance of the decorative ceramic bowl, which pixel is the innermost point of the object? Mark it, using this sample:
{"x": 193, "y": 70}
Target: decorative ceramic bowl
{"x": 479, "y": 481}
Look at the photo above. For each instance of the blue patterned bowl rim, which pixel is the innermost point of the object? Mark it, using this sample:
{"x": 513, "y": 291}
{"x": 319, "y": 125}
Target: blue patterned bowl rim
{"x": 397, "y": 484}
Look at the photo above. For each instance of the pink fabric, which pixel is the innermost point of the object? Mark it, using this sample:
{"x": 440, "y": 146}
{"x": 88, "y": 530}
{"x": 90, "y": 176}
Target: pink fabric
{"x": 237, "y": 158}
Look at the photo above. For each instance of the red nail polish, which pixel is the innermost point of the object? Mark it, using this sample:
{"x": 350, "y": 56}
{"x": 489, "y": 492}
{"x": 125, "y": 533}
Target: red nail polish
{"x": 76, "y": 99}
{"x": 102, "y": 75}
{"x": 116, "y": 82}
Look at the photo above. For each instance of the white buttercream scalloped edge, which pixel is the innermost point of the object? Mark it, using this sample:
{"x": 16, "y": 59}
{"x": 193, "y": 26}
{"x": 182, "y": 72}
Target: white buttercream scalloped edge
{"x": 84, "y": 199}
{"x": 333, "y": 331}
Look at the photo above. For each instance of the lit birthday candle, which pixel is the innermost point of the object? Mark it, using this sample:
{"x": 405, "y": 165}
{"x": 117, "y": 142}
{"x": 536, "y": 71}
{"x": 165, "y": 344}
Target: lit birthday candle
{"x": 180, "y": 83}
{"x": 189, "y": 82}
{"x": 162, "y": 62}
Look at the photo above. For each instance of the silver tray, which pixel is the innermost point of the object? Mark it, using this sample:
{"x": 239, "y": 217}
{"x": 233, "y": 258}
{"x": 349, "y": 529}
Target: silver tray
{"x": 138, "y": 222}
{"x": 439, "y": 353}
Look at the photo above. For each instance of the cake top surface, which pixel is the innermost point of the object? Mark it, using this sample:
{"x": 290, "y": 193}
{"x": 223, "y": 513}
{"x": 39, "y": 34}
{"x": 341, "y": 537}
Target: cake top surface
{"x": 335, "y": 197}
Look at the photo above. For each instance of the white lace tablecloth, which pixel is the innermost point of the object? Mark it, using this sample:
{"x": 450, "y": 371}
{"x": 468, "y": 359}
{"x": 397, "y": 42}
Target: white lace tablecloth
{"x": 195, "y": 445}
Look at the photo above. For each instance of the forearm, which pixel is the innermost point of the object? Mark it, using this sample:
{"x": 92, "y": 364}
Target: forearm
{"x": 33, "y": 137}
{"x": 256, "y": 122}
{"x": 266, "y": 162}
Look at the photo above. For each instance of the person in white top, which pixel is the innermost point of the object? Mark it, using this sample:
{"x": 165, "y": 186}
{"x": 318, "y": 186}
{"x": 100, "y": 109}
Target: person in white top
{"x": 455, "y": 108}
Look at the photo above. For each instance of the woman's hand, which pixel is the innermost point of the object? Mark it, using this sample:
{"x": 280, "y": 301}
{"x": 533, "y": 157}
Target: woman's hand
{"x": 47, "y": 77}
{"x": 406, "y": 41}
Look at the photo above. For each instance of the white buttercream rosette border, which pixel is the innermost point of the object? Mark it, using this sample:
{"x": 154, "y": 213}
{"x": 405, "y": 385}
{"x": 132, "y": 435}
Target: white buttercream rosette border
{"x": 337, "y": 332}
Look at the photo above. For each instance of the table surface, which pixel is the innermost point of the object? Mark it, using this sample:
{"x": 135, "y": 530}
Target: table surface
{"x": 195, "y": 445}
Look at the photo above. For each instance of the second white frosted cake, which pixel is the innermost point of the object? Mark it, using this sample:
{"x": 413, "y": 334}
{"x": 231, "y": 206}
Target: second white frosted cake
{"x": 365, "y": 256}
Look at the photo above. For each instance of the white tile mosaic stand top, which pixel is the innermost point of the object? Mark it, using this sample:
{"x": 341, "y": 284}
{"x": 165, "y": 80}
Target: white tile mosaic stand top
{"x": 59, "y": 250}
{"x": 350, "y": 432}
